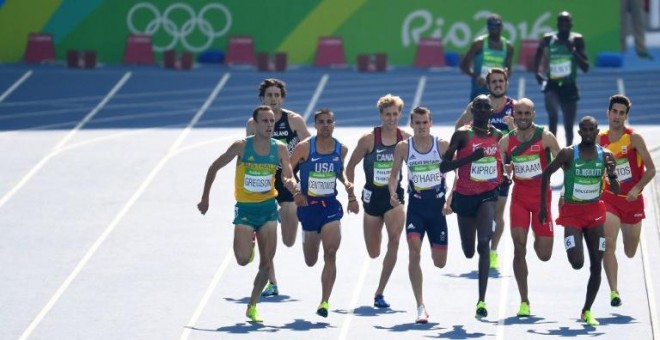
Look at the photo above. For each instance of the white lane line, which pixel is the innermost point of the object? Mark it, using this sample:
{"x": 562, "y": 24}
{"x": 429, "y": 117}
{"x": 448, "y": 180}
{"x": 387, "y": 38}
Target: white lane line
{"x": 124, "y": 210}
{"x": 207, "y": 296}
{"x": 16, "y": 84}
{"x": 521, "y": 88}
{"x": 421, "y": 84}
{"x": 346, "y": 325}
{"x": 648, "y": 278}
{"x": 315, "y": 98}
{"x": 63, "y": 141}
{"x": 620, "y": 86}
{"x": 506, "y": 278}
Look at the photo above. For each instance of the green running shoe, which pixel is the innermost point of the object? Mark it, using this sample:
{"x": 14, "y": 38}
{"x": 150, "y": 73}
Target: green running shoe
{"x": 482, "y": 312}
{"x": 524, "y": 309}
{"x": 589, "y": 319}
{"x": 494, "y": 261}
{"x": 323, "y": 309}
{"x": 270, "y": 290}
{"x": 615, "y": 300}
{"x": 252, "y": 314}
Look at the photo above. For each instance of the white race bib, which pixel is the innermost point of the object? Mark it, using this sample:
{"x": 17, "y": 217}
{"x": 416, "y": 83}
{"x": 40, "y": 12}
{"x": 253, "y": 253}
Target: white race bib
{"x": 484, "y": 169}
{"x": 257, "y": 181}
{"x": 527, "y": 166}
{"x": 426, "y": 176}
{"x": 560, "y": 68}
{"x": 623, "y": 171}
{"x": 382, "y": 172}
{"x": 586, "y": 191}
{"x": 321, "y": 183}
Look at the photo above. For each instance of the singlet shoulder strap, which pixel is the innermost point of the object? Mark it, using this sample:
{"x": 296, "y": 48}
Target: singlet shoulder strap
{"x": 399, "y": 135}
{"x": 312, "y": 145}
{"x": 378, "y": 137}
{"x": 337, "y": 147}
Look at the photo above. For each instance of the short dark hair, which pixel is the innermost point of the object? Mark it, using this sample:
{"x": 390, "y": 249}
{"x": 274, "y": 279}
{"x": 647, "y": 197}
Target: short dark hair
{"x": 266, "y": 83}
{"x": 497, "y": 70}
{"x": 620, "y": 99}
{"x": 420, "y": 110}
{"x": 324, "y": 111}
{"x": 588, "y": 119}
{"x": 255, "y": 112}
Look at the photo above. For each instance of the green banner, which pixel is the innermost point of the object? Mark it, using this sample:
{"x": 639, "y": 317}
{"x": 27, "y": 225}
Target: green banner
{"x": 366, "y": 26}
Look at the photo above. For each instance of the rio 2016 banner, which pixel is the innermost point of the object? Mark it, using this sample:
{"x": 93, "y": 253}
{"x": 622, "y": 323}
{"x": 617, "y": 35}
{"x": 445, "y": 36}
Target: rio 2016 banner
{"x": 366, "y": 26}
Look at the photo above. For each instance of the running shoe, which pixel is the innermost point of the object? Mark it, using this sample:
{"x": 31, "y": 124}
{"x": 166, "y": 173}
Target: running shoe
{"x": 254, "y": 241}
{"x": 422, "y": 315}
{"x": 323, "y": 309}
{"x": 252, "y": 314}
{"x": 379, "y": 302}
{"x": 589, "y": 319}
{"x": 615, "y": 300}
{"x": 494, "y": 261}
{"x": 270, "y": 290}
{"x": 524, "y": 309}
{"x": 482, "y": 312}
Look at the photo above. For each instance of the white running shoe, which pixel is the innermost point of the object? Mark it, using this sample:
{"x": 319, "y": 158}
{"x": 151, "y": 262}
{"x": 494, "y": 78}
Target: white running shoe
{"x": 422, "y": 315}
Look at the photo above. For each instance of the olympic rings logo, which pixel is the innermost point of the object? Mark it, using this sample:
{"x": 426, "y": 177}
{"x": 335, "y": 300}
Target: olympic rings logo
{"x": 180, "y": 32}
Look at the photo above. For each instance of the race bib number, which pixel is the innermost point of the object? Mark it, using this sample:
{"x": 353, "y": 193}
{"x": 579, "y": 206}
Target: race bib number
{"x": 426, "y": 176}
{"x": 366, "y": 195}
{"x": 321, "y": 183}
{"x": 382, "y": 172}
{"x": 586, "y": 190}
{"x": 257, "y": 181}
{"x": 527, "y": 166}
{"x": 601, "y": 244}
{"x": 623, "y": 171}
{"x": 560, "y": 68}
{"x": 484, "y": 170}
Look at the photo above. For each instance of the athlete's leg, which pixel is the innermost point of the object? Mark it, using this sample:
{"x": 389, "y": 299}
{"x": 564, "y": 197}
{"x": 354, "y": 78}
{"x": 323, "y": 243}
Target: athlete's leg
{"x": 243, "y": 243}
{"x": 499, "y": 222}
{"x": 610, "y": 263}
{"x": 414, "y": 268}
{"x": 311, "y": 242}
{"x": 573, "y": 245}
{"x": 267, "y": 241}
{"x": 631, "y": 234}
{"x": 569, "y": 109}
{"x": 373, "y": 231}
{"x": 331, "y": 238}
{"x": 552, "y": 107}
{"x": 595, "y": 240}
{"x": 394, "y": 220}
{"x": 484, "y": 225}
{"x": 289, "y": 221}
{"x": 519, "y": 237}
{"x": 467, "y": 228}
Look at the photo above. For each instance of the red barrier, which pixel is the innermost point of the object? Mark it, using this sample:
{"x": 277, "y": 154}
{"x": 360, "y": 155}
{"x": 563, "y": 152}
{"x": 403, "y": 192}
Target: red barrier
{"x": 240, "y": 51}
{"x": 39, "y": 48}
{"x": 430, "y": 53}
{"x": 330, "y": 52}
{"x": 139, "y": 50}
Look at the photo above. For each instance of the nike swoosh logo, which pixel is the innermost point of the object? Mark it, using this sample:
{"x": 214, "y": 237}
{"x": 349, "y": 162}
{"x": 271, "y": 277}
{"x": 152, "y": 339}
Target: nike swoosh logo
{"x": 579, "y": 165}
{"x": 476, "y": 145}
{"x": 331, "y": 216}
{"x": 598, "y": 218}
{"x": 315, "y": 159}
{"x": 380, "y": 151}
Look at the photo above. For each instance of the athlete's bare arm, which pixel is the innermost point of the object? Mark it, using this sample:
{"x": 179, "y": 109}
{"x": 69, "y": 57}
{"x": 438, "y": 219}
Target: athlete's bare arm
{"x": 639, "y": 144}
{"x": 298, "y": 125}
{"x": 250, "y": 128}
{"x": 235, "y": 150}
{"x": 563, "y": 159}
{"x": 363, "y": 147}
{"x": 287, "y": 174}
{"x": 550, "y": 143}
{"x": 400, "y": 154}
{"x": 465, "y": 117}
{"x": 299, "y": 155}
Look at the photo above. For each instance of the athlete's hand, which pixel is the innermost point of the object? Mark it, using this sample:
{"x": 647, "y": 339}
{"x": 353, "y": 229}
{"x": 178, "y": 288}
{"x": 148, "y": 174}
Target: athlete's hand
{"x": 353, "y": 206}
{"x": 539, "y": 78}
{"x": 446, "y": 209}
{"x": 632, "y": 194}
{"x": 481, "y": 81}
{"x": 478, "y": 153}
{"x": 203, "y": 206}
{"x": 543, "y": 214}
{"x": 300, "y": 200}
{"x": 394, "y": 201}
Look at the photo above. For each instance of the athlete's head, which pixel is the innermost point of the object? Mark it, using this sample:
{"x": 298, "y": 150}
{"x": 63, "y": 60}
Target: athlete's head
{"x": 420, "y": 121}
{"x": 588, "y": 130}
{"x": 324, "y": 122}
{"x": 523, "y": 113}
{"x": 494, "y": 24}
{"x": 564, "y": 22}
{"x": 482, "y": 108}
{"x": 618, "y": 111}
{"x": 264, "y": 119}
{"x": 272, "y": 93}
{"x": 497, "y": 82}
{"x": 389, "y": 109}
